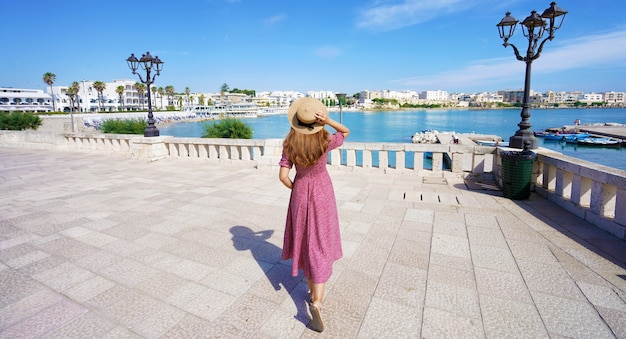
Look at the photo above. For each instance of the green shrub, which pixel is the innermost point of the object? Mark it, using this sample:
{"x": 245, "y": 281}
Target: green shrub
{"x": 230, "y": 128}
{"x": 17, "y": 121}
{"x": 124, "y": 126}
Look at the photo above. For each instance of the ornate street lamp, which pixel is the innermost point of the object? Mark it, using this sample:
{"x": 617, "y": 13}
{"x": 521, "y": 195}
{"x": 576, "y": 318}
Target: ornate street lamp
{"x": 147, "y": 63}
{"x": 533, "y": 27}
{"x": 340, "y": 97}
{"x": 71, "y": 94}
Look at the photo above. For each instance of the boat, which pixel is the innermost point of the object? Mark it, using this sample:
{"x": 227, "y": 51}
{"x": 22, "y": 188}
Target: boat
{"x": 267, "y": 111}
{"x": 553, "y": 136}
{"x": 426, "y": 136}
{"x": 554, "y": 133}
{"x": 574, "y": 138}
{"x": 493, "y": 143}
{"x": 600, "y": 141}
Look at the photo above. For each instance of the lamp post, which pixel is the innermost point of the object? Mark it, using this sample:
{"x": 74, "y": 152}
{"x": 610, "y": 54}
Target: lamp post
{"x": 340, "y": 98}
{"x": 70, "y": 93}
{"x": 533, "y": 28}
{"x": 147, "y": 63}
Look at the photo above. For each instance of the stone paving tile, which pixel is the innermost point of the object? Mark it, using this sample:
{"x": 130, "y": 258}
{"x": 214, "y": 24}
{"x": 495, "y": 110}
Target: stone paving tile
{"x": 161, "y": 249}
{"x": 509, "y": 318}
{"x": 453, "y": 299}
{"x": 531, "y": 251}
{"x": 89, "y": 289}
{"x": 551, "y": 279}
{"x": 48, "y": 320}
{"x": 485, "y": 236}
{"x": 450, "y": 245}
{"x": 494, "y": 258}
{"x": 27, "y": 307}
{"x": 443, "y": 324}
{"x": 570, "y": 318}
{"x": 189, "y": 326}
{"x": 601, "y": 296}
{"x": 615, "y": 320}
{"x": 89, "y": 325}
{"x": 503, "y": 285}
{"x": 15, "y": 286}
{"x": 402, "y": 285}
{"x": 388, "y": 319}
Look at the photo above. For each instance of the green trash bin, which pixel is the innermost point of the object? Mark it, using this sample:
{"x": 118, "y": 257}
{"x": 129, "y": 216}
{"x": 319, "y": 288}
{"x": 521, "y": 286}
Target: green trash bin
{"x": 517, "y": 170}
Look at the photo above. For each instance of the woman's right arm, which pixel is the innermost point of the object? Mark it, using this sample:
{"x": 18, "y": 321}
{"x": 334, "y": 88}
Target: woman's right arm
{"x": 339, "y": 127}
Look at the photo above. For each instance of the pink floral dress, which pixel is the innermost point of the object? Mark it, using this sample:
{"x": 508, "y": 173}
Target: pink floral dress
{"x": 312, "y": 236}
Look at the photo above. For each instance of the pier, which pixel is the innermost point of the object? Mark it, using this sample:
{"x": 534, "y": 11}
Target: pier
{"x": 617, "y": 132}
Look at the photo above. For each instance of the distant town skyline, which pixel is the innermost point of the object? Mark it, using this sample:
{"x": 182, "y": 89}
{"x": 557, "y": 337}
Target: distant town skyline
{"x": 325, "y": 45}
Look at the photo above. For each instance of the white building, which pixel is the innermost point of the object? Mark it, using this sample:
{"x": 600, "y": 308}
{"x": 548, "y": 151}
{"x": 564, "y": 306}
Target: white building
{"x": 279, "y": 98}
{"x": 434, "y": 95}
{"x": 613, "y": 98}
{"x": 25, "y": 100}
{"x": 592, "y": 97}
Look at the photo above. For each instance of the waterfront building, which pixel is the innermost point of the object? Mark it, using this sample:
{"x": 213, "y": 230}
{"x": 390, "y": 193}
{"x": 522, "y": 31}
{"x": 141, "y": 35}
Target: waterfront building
{"x": 614, "y": 98}
{"x": 89, "y": 100}
{"x": 24, "y": 100}
{"x": 513, "y": 96}
{"x": 592, "y": 97}
{"x": 437, "y": 96}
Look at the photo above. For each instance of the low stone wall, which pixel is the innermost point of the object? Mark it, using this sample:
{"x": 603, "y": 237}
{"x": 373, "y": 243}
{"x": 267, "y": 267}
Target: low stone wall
{"x": 593, "y": 192}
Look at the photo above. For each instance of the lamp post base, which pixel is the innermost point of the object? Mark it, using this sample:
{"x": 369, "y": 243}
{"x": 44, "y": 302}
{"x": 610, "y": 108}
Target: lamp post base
{"x": 151, "y": 131}
{"x": 519, "y": 141}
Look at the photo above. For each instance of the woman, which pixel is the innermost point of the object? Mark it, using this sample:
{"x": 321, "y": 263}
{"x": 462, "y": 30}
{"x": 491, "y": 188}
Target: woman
{"x": 312, "y": 236}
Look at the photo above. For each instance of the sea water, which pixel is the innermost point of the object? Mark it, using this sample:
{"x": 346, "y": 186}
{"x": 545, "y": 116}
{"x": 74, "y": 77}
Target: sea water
{"x": 399, "y": 126}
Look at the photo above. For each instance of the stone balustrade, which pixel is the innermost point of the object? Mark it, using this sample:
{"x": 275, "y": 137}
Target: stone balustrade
{"x": 593, "y": 192}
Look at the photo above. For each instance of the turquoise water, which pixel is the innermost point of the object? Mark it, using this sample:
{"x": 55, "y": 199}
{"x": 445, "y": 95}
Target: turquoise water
{"x": 399, "y": 126}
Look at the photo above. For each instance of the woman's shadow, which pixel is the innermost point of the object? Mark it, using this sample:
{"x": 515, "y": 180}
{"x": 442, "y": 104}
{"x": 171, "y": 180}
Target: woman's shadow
{"x": 267, "y": 254}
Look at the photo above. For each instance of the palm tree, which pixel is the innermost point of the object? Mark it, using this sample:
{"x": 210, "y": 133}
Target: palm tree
{"x": 120, "y": 91}
{"x": 141, "y": 88}
{"x": 73, "y": 89}
{"x": 99, "y": 86}
{"x": 201, "y": 100}
{"x": 170, "y": 93}
{"x": 161, "y": 92}
{"x": 223, "y": 90}
{"x": 187, "y": 91}
{"x": 154, "y": 90}
{"x": 49, "y": 79}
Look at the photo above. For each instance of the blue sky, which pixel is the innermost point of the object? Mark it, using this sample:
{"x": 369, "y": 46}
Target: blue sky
{"x": 336, "y": 45}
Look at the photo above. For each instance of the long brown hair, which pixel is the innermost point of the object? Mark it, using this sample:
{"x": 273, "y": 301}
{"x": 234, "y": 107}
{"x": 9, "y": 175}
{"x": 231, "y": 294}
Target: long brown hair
{"x": 306, "y": 149}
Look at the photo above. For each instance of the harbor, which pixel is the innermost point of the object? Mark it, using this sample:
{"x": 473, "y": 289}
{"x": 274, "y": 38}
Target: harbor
{"x": 401, "y": 126}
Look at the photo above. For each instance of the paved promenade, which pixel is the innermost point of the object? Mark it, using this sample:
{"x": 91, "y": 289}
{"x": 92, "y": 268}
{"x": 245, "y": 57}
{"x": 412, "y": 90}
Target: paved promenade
{"x": 100, "y": 246}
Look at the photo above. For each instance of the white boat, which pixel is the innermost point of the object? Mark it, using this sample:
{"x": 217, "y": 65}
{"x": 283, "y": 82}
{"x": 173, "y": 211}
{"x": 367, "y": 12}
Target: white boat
{"x": 266, "y": 111}
{"x": 599, "y": 141}
{"x": 234, "y": 110}
{"x": 426, "y": 136}
{"x": 493, "y": 143}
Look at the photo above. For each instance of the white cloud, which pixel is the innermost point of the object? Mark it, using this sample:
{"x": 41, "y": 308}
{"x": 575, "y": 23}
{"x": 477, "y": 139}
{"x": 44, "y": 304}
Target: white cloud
{"x": 607, "y": 50}
{"x": 387, "y": 17}
{"x": 328, "y": 52}
{"x": 275, "y": 19}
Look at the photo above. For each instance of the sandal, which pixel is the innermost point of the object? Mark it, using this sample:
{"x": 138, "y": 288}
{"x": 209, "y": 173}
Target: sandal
{"x": 316, "y": 317}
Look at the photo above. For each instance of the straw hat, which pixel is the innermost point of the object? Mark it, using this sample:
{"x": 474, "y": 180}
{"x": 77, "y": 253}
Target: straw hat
{"x": 302, "y": 115}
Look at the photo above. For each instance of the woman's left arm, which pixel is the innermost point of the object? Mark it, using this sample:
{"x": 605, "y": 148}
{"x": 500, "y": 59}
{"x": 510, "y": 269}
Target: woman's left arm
{"x": 283, "y": 175}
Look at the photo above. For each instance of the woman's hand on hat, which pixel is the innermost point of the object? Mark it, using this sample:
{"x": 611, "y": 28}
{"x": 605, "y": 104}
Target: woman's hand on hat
{"x": 321, "y": 117}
